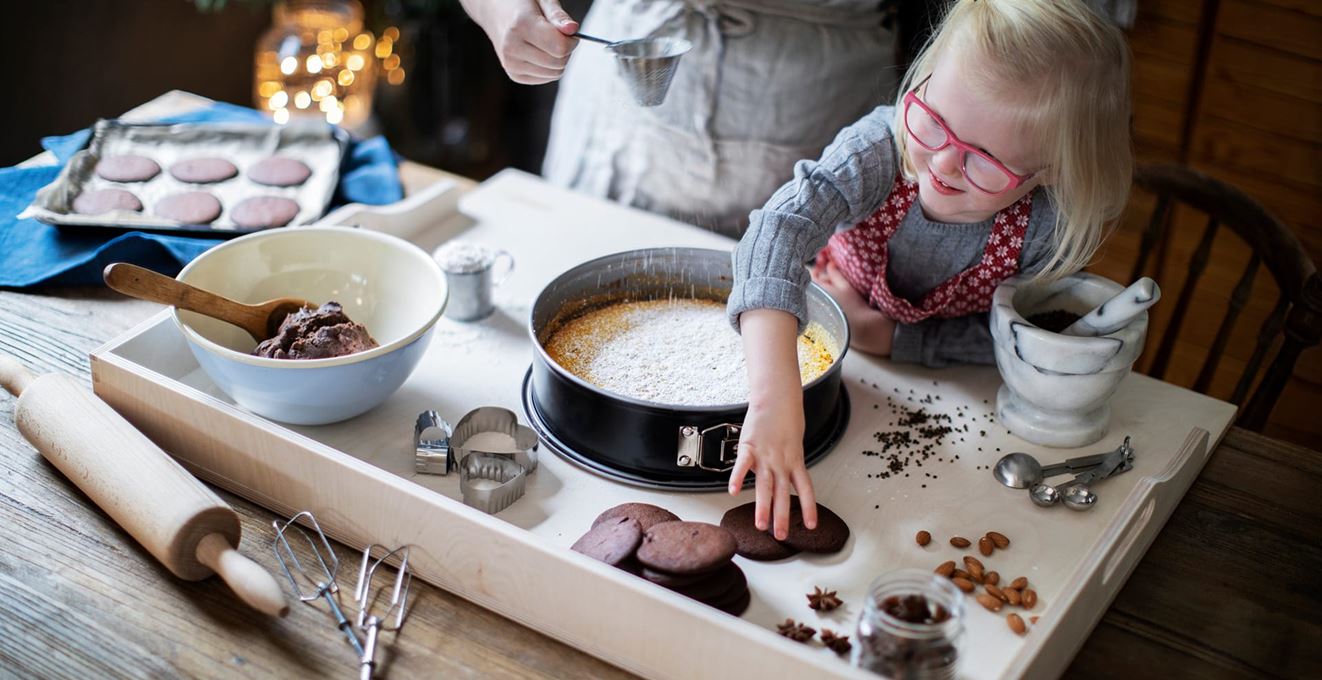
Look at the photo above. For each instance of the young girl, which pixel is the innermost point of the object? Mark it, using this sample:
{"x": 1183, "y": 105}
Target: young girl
{"x": 1006, "y": 153}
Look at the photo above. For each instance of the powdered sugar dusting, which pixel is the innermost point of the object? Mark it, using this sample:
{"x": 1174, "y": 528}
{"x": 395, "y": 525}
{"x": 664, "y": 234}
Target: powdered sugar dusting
{"x": 680, "y": 351}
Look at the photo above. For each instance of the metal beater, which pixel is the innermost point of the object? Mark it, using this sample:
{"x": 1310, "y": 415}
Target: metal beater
{"x": 369, "y": 622}
{"x": 322, "y": 586}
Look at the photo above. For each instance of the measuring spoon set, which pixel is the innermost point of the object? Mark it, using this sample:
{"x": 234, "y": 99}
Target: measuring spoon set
{"x": 1022, "y": 471}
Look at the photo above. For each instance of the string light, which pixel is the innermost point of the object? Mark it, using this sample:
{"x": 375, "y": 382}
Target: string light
{"x": 288, "y": 83}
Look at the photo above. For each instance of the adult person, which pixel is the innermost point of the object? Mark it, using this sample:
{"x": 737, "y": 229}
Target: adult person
{"x": 767, "y": 83}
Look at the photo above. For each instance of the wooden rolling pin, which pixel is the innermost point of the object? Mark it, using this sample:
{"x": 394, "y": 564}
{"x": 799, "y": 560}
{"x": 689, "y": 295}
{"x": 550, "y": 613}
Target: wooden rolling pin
{"x": 175, "y": 517}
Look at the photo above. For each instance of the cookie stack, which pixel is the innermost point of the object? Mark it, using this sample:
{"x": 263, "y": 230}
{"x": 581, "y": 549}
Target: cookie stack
{"x": 830, "y": 535}
{"x": 690, "y": 558}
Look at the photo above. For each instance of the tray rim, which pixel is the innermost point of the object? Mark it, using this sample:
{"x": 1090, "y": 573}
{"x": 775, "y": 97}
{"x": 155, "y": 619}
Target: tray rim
{"x": 1125, "y": 541}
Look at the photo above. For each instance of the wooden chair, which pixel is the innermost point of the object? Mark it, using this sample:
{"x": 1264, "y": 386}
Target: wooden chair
{"x": 1298, "y": 310}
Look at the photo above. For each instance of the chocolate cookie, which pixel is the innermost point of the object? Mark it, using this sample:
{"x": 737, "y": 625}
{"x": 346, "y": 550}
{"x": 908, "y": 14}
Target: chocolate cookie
{"x": 671, "y": 581}
{"x": 646, "y": 514}
{"x": 104, "y": 201}
{"x": 738, "y": 605}
{"x": 127, "y": 168}
{"x": 829, "y": 536}
{"x": 203, "y": 170}
{"x": 189, "y": 207}
{"x": 752, "y": 542}
{"x": 610, "y": 542}
{"x": 262, "y": 212}
{"x": 720, "y": 585}
{"x": 279, "y": 172}
{"x": 686, "y": 548}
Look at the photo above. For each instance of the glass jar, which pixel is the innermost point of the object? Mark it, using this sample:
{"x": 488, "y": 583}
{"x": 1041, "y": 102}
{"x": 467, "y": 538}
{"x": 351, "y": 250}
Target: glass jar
{"x": 316, "y": 61}
{"x": 911, "y": 626}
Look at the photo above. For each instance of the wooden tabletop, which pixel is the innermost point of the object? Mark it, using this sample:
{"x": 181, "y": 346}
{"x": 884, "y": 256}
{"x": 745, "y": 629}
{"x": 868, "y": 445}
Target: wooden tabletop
{"x": 1226, "y": 590}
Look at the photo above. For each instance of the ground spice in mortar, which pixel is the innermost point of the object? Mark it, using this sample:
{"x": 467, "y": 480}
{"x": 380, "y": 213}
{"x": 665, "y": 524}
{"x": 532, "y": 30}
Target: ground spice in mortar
{"x": 1055, "y": 320}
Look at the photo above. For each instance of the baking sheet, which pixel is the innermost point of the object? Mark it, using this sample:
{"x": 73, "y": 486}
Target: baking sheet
{"x": 318, "y": 145}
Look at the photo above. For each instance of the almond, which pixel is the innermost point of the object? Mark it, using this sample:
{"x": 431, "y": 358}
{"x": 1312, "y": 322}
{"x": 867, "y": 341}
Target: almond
{"x": 1013, "y": 596}
{"x": 963, "y": 583}
{"x": 1033, "y": 619}
{"x": 960, "y": 542}
{"x": 960, "y": 573}
{"x": 978, "y": 578}
{"x": 985, "y": 546}
{"x": 992, "y": 604}
{"x": 993, "y": 577}
{"x": 1019, "y": 583}
{"x": 1029, "y": 598}
{"x": 998, "y": 539}
{"x": 974, "y": 565}
{"x": 1016, "y": 624}
{"x": 947, "y": 568}
{"x": 996, "y": 592}
{"x": 923, "y": 538}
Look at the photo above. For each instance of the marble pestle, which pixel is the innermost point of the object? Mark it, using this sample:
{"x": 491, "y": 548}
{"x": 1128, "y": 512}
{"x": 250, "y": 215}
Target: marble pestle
{"x": 1114, "y": 314}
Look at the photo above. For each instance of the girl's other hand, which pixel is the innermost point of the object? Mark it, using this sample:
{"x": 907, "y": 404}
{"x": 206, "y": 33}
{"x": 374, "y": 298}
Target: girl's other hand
{"x": 870, "y": 330}
{"x": 771, "y": 442}
{"x": 531, "y": 37}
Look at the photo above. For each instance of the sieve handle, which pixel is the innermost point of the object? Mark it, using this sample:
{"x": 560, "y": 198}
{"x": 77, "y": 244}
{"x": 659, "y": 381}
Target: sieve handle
{"x": 592, "y": 38}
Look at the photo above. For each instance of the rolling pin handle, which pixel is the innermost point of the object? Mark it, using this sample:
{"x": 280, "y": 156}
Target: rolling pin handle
{"x": 13, "y": 376}
{"x": 253, "y": 584}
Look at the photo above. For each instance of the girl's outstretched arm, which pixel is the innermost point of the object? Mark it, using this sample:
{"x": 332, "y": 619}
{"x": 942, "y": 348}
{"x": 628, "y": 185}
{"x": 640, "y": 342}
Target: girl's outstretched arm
{"x": 771, "y": 442}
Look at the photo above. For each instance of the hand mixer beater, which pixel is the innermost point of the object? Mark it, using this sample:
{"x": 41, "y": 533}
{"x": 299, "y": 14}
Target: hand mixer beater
{"x": 317, "y": 581}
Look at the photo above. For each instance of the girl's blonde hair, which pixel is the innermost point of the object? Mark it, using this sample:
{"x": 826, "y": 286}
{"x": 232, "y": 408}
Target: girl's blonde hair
{"x": 1070, "y": 69}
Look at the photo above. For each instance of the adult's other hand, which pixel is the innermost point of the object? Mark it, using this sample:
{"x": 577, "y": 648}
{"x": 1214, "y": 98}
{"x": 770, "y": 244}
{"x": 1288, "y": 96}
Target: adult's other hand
{"x": 531, "y": 37}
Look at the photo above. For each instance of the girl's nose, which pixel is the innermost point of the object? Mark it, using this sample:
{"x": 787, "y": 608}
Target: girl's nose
{"x": 946, "y": 161}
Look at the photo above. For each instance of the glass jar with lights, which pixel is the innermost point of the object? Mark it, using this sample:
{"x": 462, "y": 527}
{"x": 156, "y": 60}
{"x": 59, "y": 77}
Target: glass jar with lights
{"x": 316, "y": 61}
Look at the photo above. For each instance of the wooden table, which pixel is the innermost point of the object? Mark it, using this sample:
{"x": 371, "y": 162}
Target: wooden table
{"x": 1226, "y": 590}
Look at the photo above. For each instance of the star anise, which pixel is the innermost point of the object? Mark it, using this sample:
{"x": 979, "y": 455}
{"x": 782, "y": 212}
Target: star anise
{"x": 839, "y": 644}
{"x": 823, "y": 600}
{"x": 795, "y": 631}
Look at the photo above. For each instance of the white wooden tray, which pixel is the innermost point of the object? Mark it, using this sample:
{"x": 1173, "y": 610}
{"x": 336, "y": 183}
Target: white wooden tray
{"x": 357, "y": 477}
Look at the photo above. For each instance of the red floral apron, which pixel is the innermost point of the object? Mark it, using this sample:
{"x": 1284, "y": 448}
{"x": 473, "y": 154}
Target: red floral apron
{"x": 860, "y": 253}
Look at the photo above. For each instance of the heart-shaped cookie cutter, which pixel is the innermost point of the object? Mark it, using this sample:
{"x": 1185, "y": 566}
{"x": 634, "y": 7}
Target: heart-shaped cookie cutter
{"x": 496, "y": 419}
{"x": 511, "y": 481}
{"x": 439, "y": 448}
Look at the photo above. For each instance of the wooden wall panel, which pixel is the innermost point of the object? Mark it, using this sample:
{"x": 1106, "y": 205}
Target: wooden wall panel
{"x": 1257, "y": 125}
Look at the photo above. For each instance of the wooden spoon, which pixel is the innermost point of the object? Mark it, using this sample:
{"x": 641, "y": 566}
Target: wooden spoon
{"x": 261, "y": 320}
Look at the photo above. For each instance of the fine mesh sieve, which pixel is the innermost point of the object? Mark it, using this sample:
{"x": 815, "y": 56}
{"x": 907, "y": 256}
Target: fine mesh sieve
{"x": 647, "y": 65}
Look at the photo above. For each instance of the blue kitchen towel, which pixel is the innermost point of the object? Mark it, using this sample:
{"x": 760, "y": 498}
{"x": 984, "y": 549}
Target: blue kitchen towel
{"x": 32, "y": 253}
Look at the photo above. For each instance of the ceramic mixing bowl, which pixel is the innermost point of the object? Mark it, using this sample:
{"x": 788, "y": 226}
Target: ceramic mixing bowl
{"x": 389, "y": 285}
{"x": 1057, "y": 387}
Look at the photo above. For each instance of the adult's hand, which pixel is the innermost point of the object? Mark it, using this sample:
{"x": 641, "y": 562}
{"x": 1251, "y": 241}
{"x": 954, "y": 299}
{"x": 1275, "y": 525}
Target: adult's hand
{"x": 531, "y": 37}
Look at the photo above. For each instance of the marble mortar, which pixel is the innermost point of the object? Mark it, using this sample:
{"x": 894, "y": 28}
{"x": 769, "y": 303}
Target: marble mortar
{"x": 1057, "y": 388}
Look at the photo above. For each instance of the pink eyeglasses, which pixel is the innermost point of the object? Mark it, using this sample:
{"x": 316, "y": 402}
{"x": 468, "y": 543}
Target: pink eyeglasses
{"x": 980, "y": 168}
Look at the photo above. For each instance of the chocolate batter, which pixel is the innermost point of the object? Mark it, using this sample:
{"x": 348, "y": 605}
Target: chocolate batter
{"x": 316, "y": 334}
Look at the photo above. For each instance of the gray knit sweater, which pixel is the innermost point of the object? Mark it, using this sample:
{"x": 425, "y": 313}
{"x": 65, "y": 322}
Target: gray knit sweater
{"x": 846, "y": 185}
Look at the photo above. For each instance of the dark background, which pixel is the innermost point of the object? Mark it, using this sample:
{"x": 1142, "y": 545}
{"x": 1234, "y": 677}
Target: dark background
{"x": 72, "y": 62}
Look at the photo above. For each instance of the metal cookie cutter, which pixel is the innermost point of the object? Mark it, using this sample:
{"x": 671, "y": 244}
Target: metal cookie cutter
{"x": 431, "y": 444}
{"x": 511, "y": 479}
{"x": 496, "y": 419}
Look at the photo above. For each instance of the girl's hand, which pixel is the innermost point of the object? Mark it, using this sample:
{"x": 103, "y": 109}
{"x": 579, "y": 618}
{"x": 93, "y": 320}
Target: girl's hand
{"x": 531, "y": 37}
{"x": 771, "y": 442}
{"x": 870, "y": 330}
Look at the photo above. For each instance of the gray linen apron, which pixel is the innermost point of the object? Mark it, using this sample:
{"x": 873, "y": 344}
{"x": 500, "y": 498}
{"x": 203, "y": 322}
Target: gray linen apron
{"x": 768, "y": 82}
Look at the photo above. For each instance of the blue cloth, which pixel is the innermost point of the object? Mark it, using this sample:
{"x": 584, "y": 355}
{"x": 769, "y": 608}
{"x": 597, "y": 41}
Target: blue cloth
{"x": 32, "y": 253}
